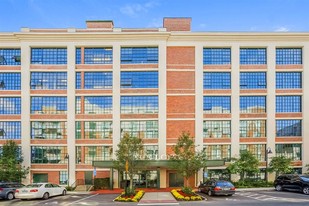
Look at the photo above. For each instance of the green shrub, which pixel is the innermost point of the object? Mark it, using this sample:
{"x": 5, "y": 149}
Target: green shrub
{"x": 69, "y": 188}
{"x": 250, "y": 183}
{"x": 187, "y": 190}
{"x": 101, "y": 183}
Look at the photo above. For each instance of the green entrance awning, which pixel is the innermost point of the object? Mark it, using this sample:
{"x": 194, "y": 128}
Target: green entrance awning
{"x": 149, "y": 164}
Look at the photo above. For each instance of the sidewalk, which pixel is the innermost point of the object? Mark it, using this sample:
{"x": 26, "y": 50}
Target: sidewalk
{"x": 150, "y": 198}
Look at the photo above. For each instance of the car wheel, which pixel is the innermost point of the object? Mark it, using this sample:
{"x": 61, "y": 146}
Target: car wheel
{"x": 209, "y": 193}
{"x": 10, "y": 196}
{"x": 278, "y": 187}
{"x": 64, "y": 192}
{"x": 45, "y": 196}
{"x": 306, "y": 190}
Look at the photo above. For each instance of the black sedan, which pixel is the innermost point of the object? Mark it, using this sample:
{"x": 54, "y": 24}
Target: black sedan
{"x": 217, "y": 187}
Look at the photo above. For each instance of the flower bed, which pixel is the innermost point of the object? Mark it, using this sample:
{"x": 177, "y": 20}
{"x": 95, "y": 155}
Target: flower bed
{"x": 132, "y": 198}
{"x": 180, "y": 195}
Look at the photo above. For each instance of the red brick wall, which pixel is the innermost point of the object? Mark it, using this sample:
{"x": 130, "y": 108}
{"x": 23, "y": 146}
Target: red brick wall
{"x": 177, "y": 24}
{"x": 180, "y": 57}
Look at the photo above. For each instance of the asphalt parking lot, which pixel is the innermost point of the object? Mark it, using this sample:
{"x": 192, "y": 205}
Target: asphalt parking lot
{"x": 251, "y": 198}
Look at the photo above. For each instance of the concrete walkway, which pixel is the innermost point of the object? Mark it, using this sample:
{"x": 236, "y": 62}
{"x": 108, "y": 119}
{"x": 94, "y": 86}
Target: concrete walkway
{"x": 151, "y": 198}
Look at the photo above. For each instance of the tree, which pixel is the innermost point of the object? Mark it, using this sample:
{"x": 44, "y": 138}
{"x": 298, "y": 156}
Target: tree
{"x": 247, "y": 164}
{"x": 280, "y": 165}
{"x": 10, "y": 163}
{"x": 307, "y": 172}
{"x": 130, "y": 150}
{"x": 187, "y": 161}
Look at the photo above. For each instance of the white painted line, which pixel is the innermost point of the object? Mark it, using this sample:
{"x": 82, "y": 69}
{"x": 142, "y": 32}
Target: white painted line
{"x": 158, "y": 204}
{"x": 81, "y": 199}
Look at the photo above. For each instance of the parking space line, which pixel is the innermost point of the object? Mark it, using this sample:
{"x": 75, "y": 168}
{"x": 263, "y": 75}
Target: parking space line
{"x": 81, "y": 199}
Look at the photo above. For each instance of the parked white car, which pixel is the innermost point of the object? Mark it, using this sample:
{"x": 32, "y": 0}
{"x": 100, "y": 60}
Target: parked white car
{"x": 40, "y": 190}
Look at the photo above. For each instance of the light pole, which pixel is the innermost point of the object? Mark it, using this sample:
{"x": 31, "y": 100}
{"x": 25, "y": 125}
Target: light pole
{"x": 68, "y": 158}
{"x": 267, "y": 152}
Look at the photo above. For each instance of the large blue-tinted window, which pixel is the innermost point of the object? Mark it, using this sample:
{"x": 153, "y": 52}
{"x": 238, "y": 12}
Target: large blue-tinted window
{"x": 292, "y": 151}
{"x": 217, "y": 104}
{"x": 98, "y": 56}
{"x": 48, "y": 80}
{"x": 98, "y": 80}
{"x": 78, "y": 56}
{"x": 49, "y": 154}
{"x": 10, "y": 105}
{"x": 288, "y": 80}
{"x": 94, "y": 105}
{"x": 48, "y": 56}
{"x": 289, "y": 56}
{"x": 286, "y": 128}
{"x": 253, "y": 56}
{"x": 48, "y": 105}
{"x": 9, "y": 56}
{"x": 139, "y": 55}
{"x": 139, "y": 104}
{"x": 49, "y": 130}
{"x": 217, "y": 80}
{"x": 252, "y": 104}
{"x": 139, "y": 79}
{"x": 10, "y": 130}
{"x": 288, "y": 104}
{"x": 78, "y": 80}
{"x": 252, "y": 80}
{"x": 10, "y": 81}
{"x": 217, "y": 56}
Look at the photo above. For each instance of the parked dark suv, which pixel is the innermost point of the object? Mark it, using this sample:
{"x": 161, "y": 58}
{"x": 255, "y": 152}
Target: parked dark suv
{"x": 298, "y": 183}
{"x": 7, "y": 189}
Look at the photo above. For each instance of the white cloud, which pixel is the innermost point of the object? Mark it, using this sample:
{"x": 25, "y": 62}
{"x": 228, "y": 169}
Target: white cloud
{"x": 133, "y": 10}
{"x": 282, "y": 29}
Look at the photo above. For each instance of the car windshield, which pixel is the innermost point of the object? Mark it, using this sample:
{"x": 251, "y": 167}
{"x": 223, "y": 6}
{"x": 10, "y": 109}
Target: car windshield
{"x": 305, "y": 178}
{"x": 33, "y": 185}
{"x": 224, "y": 184}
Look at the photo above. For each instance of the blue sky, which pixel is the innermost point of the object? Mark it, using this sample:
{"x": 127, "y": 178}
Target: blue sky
{"x": 207, "y": 15}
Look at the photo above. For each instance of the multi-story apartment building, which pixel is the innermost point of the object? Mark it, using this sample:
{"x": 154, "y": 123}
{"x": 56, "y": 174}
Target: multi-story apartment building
{"x": 68, "y": 95}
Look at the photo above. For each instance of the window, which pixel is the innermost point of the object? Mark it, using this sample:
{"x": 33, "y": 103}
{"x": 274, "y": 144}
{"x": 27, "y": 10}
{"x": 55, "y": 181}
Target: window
{"x": 94, "y": 130}
{"x": 288, "y": 104}
{"x": 48, "y": 56}
{"x": 288, "y": 80}
{"x": 94, "y": 105}
{"x": 48, "y": 105}
{"x": 139, "y": 104}
{"x": 48, "y": 154}
{"x": 9, "y": 57}
{"x": 218, "y": 152}
{"x": 139, "y": 79}
{"x": 285, "y": 128}
{"x": 252, "y": 80}
{"x": 217, "y": 129}
{"x": 18, "y": 152}
{"x": 78, "y": 80}
{"x": 10, "y": 105}
{"x": 292, "y": 151}
{"x": 48, "y": 80}
{"x": 289, "y": 56}
{"x": 63, "y": 177}
{"x": 48, "y": 130}
{"x": 217, "y": 104}
{"x": 151, "y": 152}
{"x": 93, "y": 153}
{"x": 217, "y": 56}
{"x": 98, "y": 80}
{"x": 98, "y": 56}
{"x": 258, "y": 150}
{"x": 252, "y": 104}
{"x": 139, "y": 55}
{"x": 10, "y": 130}
{"x": 217, "y": 80}
{"x": 253, "y": 56}
{"x": 141, "y": 129}
{"x": 253, "y": 128}
{"x": 10, "y": 81}
{"x": 78, "y": 56}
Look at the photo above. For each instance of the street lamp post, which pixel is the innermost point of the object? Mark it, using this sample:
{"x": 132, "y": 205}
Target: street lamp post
{"x": 267, "y": 152}
{"x": 68, "y": 158}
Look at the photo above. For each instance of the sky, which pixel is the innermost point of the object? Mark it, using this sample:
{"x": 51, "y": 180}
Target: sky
{"x": 207, "y": 15}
